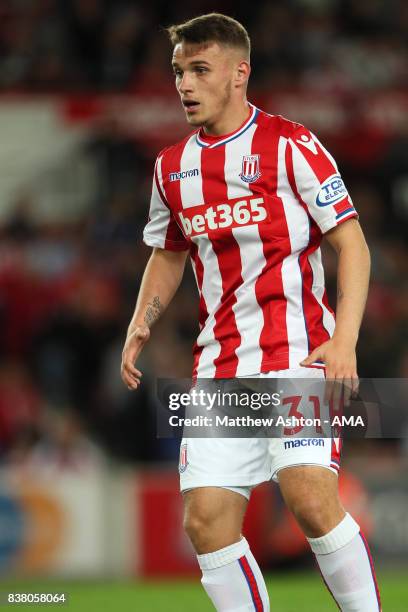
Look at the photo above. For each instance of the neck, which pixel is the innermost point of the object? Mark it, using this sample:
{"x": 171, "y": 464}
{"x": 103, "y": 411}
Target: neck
{"x": 232, "y": 118}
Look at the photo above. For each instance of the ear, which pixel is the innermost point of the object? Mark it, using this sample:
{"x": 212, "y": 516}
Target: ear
{"x": 242, "y": 73}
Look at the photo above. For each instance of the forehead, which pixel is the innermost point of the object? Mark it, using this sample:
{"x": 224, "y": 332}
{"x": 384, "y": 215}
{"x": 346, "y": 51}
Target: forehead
{"x": 210, "y": 52}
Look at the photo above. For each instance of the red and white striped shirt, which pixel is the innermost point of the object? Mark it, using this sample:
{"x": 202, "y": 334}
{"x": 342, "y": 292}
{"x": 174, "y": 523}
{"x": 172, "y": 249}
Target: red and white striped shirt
{"x": 251, "y": 207}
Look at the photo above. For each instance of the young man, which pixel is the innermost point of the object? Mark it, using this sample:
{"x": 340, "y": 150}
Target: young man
{"x": 249, "y": 196}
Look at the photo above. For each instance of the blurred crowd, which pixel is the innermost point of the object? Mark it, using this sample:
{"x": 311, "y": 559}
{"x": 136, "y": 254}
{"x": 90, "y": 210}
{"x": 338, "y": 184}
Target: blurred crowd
{"x": 67, "y": 290}
{"x": 71, "y": 45}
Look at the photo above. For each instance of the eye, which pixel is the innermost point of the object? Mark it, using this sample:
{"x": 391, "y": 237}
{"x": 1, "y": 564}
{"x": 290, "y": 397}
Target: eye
{"x": 201, "y": 69}
{"x": 177, "y": 73}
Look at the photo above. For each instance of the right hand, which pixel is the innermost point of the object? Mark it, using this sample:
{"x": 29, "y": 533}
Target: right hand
{"x": 133, "y": 346}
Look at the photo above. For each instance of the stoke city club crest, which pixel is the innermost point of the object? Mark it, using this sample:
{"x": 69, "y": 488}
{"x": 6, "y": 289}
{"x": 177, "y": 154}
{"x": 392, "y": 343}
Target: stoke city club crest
{"x": 251, "y": 168}
{"x": 183, "y": 458}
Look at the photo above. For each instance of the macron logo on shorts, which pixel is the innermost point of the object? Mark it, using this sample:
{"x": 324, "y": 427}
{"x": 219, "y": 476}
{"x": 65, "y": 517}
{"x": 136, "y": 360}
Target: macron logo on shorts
{"x": 303, "y": 442}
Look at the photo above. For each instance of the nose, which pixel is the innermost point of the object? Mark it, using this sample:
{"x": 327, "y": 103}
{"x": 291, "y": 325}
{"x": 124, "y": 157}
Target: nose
{"x": 185, "y": 84}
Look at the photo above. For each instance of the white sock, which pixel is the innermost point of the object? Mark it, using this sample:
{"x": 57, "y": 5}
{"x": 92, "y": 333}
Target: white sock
{"x": 233, "y": 580}
{"x": 347, "y": 568}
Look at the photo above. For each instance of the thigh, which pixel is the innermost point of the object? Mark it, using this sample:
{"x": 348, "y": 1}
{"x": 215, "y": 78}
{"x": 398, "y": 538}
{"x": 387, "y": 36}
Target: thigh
{"x": 305, "y": 481}
{"x": 215, "y": 505}
{"x": 311, "y": 493}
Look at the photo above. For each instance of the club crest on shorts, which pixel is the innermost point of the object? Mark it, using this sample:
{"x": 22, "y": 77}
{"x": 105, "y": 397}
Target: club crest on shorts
{"x": 251, "y": 168}
{"x": 183, "y": 458}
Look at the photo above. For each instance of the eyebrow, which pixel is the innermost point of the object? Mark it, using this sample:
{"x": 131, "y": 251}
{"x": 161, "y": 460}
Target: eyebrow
{"x": 193, "y": 63}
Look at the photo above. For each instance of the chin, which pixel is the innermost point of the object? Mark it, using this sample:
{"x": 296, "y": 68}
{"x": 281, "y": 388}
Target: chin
{"x": 194, "y": 120}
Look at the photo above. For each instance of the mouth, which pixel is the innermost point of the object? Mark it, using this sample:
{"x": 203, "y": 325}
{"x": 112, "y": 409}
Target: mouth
{"x": 190, "y": 106}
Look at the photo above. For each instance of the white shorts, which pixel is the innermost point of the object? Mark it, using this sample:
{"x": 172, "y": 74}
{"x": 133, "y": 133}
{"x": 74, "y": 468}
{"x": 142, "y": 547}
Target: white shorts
{"x": 242, "y": 463}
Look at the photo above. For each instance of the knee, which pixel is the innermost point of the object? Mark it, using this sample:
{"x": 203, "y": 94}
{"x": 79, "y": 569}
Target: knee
{"x": 199, "y": 524}
{"x": 213, "y": 518}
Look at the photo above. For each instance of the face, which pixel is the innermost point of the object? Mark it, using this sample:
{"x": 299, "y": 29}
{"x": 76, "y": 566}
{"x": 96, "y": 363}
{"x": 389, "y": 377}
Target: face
{"x": 206, "y": 78}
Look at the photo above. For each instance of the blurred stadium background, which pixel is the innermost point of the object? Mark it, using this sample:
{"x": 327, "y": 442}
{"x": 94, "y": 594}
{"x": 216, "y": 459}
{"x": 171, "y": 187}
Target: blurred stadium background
{"x": 88, "y": 496}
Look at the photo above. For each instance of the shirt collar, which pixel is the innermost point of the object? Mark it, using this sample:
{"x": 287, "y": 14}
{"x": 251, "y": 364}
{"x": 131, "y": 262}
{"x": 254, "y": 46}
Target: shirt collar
{"x": 210, "y": 142}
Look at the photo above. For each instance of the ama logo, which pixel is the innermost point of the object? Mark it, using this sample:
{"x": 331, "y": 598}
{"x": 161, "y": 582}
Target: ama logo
{"x": 331, "y": 191}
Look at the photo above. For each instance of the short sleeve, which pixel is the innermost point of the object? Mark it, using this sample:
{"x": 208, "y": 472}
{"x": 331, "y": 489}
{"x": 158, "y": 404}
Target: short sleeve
{"x": 316, "y": 181}
{"x": 161, "y": 229}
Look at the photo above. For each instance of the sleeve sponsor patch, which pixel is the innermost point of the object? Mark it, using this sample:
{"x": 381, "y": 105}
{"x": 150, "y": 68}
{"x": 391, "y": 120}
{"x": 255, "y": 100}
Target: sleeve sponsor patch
{"x": 331, "y": 191}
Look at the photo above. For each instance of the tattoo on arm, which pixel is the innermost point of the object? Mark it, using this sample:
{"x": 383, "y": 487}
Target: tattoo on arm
{"x": 340, "y": 294}
{"x": 153, "y": 311}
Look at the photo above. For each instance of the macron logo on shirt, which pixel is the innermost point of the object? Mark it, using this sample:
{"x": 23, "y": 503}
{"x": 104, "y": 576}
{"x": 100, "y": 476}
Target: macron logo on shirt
{"x": 178, "y": 176}
{"x": 308, "y": 143}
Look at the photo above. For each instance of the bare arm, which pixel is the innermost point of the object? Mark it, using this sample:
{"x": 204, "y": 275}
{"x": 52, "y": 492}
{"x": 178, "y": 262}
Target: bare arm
{"x": 160, "y": 282}
{"x": 353, "y": 272}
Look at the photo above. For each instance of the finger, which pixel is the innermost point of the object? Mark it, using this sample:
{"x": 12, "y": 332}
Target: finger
{"x": 128, "y": 362}
{"x": 126, "y": 371}
{"x": 347, "y": 389}
{"x": 355, "y": 383}
{"x": 132, "y": 369}
{"x": 328, "y": 387}
{"x": 133, "y": 385}
{"x": 314, "y": 355}
{"x": 337, "y": 395}
{"x": 129, "y": 380}
{"x": 134, "y": 377}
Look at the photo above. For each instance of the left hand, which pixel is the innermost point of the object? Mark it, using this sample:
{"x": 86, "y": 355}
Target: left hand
{"x": 339, "y": 357}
